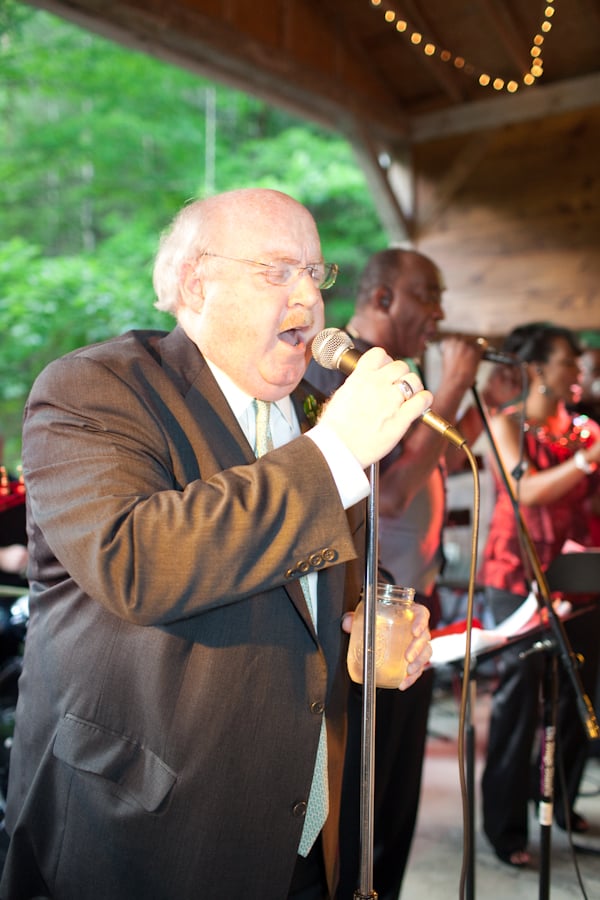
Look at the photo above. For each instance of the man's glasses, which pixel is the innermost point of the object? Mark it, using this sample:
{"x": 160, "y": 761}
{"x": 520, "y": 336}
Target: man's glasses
{"x": 282, "y": 272}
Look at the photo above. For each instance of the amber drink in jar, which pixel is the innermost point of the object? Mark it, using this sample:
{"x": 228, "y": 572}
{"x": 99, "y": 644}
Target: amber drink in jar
{"x": 394, "y": 615}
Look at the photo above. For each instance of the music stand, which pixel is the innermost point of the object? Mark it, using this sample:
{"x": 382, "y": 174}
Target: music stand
{"x": 448, "y": 650}
{"x": 575, "y": 573}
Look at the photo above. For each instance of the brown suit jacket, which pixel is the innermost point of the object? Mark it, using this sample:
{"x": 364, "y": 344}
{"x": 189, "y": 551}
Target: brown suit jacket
{"x": 169, "y": 709}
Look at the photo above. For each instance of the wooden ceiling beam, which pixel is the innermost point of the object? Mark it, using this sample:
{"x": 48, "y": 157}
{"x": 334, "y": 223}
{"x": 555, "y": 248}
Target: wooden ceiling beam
{"x": 391, "y": 185}
{"x": 509, "y": 35}
{"x": 356, "y": 50}
{"x": 591, "y": 11}
{"x": 530, "y": 104}
{"x": 444, "y": 76}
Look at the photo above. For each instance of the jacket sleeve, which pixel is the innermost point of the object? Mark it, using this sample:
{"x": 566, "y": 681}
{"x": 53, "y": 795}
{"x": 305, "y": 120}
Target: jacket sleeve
{"x": 160, "y": 516}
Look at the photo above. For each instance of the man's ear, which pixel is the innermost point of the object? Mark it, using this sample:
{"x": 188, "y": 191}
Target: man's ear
{"x": 191, "y": 287}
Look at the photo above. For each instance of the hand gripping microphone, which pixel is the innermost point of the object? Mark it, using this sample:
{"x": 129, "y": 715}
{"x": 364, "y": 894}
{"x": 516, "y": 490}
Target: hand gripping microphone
{"x": 489, "y": 353}
{"x": 333, "y": 349}
{"x": 499, "y": 356}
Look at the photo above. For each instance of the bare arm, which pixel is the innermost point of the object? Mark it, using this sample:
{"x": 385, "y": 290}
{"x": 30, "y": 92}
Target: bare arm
{"x": 422, "y": 447}
{"x": 537, "y": 487}
{"x": 502, "y": 386}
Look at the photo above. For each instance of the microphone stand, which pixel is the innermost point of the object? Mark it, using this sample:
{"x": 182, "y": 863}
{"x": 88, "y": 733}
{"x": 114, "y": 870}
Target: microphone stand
{"x": 367, "y": 780}
{"x": 466, "y": 734}
{"x": 560, "y": 648}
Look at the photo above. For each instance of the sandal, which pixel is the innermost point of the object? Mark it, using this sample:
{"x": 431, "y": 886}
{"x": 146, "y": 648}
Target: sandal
{"x": 519, "y": 859}
{"x": 579, "y": 825}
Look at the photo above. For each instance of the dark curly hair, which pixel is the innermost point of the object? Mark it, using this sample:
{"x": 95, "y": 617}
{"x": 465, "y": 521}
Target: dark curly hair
{"x": 534, "y": 342}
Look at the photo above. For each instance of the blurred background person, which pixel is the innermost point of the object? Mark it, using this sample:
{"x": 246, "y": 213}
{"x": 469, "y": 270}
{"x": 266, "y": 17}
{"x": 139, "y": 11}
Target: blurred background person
{"x": 557, "y": 458}
{"x": 13, "y": 559}
{"x": 13, "y": 536}
{"x": 398, "y": 307}
{"x": 588, "y": 402}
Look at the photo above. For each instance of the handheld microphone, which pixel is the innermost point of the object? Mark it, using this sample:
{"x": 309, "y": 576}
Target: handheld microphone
{"x": 333, "y": 349}
{"x": 498, "y": 356}
{"x": 491, "y": 354}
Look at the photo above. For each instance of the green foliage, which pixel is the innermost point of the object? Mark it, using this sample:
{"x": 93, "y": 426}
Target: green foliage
{"x": 99, "y": 147}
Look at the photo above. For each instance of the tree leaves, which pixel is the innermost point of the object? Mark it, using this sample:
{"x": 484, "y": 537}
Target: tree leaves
{"x": 99, "y": 147}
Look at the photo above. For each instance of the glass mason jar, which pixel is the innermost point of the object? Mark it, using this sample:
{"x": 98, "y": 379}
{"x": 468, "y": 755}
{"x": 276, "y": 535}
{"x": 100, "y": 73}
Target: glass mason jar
{"x": 394, "y": 614}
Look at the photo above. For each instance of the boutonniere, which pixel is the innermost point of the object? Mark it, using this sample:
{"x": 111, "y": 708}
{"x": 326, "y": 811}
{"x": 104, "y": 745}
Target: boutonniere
{"x": 311, "y": 409}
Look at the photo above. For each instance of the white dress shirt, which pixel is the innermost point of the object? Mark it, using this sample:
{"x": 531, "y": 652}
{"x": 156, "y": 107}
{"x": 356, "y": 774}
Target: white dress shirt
{"x": 350, "y": 479}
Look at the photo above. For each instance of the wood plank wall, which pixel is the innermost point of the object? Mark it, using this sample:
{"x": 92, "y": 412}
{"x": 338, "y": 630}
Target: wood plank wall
{"x": 512, "y": 217}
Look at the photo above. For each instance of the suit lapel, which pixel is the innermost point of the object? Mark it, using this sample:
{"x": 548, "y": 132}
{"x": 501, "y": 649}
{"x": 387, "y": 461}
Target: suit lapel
{"x": 205, "y": 401}
{"x": 207, "y": 405}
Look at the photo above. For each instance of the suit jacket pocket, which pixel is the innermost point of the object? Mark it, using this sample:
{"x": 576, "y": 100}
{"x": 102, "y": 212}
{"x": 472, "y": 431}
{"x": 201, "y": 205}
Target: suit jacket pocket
{"x": 93, "y": 748}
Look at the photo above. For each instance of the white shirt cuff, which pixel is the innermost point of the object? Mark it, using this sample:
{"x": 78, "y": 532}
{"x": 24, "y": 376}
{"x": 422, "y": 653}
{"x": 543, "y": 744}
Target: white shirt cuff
{"x": 350, "y": 479}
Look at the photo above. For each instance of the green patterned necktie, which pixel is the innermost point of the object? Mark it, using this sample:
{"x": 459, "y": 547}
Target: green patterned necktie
{"x": 318, "y": 801}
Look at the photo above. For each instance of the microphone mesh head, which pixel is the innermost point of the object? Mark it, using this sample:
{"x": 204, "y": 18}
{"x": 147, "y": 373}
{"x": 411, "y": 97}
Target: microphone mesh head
{"x": 328, "y": 345}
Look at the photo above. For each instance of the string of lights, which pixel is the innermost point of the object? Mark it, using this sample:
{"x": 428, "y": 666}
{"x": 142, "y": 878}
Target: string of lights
{"x": 536, "y": 70}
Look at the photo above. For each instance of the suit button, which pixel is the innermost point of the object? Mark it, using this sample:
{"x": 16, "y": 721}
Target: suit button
{"x": 316, "y": 560}
{"x": 290, "y": 573}
{"x": 299, "y": 809}
{"x": 329, "y": 555}
{"x": 317, "y": 708}
{"x": 302, "y": 566}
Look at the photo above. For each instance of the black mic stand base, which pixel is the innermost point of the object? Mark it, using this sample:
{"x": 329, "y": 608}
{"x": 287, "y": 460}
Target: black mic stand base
{"x": 586, "y": 851}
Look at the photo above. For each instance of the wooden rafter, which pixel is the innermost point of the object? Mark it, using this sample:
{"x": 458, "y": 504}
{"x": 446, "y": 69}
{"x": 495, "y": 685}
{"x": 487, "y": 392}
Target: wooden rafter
{"x": 444, "y": 76}
{"x": 515, "y": 45}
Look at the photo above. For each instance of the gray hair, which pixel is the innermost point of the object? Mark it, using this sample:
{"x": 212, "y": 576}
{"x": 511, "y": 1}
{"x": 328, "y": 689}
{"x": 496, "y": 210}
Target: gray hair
{"x": 185, "y": 240}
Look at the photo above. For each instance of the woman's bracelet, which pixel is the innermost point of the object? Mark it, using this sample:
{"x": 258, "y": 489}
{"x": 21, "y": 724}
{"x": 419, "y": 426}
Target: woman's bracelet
{"x": 582, "y": 463}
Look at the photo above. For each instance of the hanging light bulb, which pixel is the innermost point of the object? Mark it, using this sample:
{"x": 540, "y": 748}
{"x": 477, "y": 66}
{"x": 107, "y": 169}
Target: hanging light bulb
{"x": 429, "y": 49}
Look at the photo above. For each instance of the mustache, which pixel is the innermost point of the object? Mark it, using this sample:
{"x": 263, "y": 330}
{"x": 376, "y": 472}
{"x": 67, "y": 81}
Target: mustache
{"x": 297, "y": 322}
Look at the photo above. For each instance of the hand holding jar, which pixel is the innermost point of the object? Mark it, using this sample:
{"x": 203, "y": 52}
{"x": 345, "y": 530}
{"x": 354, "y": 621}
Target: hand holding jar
{"x": 402, "y": 639}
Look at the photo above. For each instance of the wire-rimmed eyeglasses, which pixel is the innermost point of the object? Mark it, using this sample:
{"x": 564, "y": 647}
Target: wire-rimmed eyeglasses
{"x": 282, "y": 271}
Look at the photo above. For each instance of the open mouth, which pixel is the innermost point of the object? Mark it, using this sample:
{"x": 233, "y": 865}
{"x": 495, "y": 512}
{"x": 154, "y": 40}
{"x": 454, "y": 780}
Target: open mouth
{"x": 295, "y": 337}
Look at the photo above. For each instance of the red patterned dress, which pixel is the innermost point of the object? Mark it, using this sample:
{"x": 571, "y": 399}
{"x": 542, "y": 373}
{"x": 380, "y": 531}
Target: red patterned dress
{"x": 549, "y": 525}
{"x": 506, "y": 781}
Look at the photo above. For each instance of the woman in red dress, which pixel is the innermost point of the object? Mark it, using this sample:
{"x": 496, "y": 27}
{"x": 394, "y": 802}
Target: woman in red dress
{"x": 555, "y": 455}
